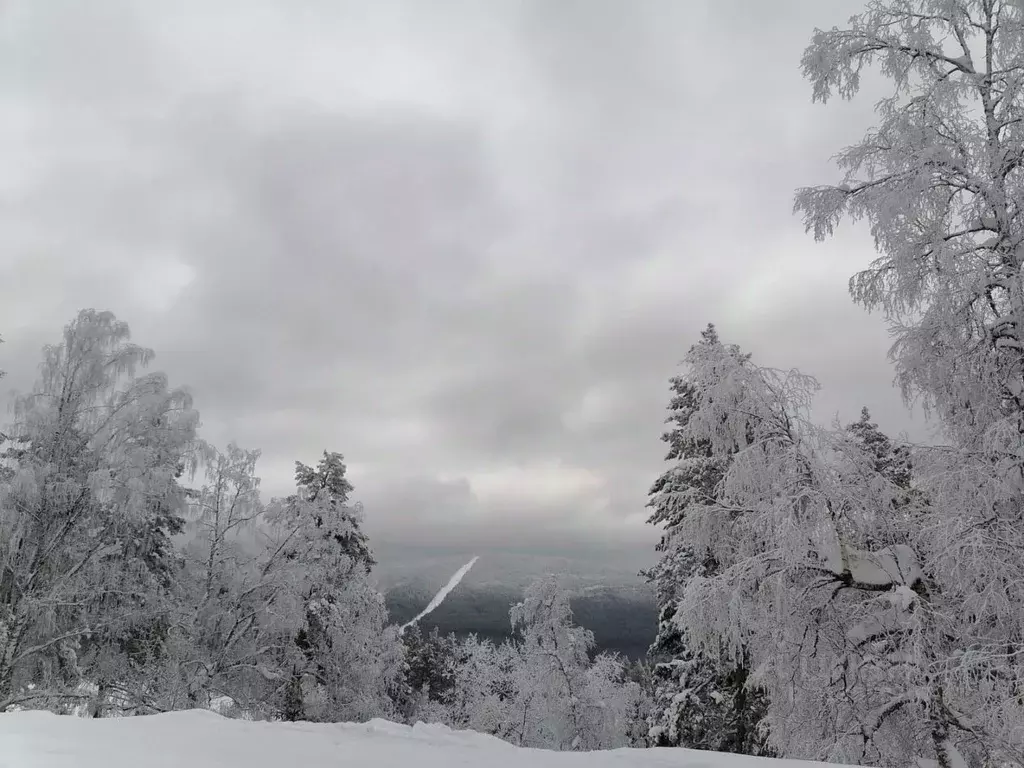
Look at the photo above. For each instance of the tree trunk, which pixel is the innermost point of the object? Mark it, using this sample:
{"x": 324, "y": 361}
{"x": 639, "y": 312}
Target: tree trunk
{"x": 99, "y": 703}
{"x": 11, "y": 630}
{"x": 294, "y": 708}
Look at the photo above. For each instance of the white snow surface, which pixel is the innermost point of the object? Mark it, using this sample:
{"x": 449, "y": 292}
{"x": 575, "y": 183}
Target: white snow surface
{"x": 204, "y": 739}
{"x": 446, "y": 590}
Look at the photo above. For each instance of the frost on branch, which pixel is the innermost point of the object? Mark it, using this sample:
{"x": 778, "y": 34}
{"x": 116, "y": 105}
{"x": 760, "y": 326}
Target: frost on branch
{"x": 540, "y": 689}
{"x": 87, "y": 506}
{"x": 882, "y": 569}
{"x": 940, "y": 182}
{"x": 820, "y": 586}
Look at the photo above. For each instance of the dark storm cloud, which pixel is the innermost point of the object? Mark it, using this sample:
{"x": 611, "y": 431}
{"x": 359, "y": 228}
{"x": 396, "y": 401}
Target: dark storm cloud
{"x": 465, "y": 244}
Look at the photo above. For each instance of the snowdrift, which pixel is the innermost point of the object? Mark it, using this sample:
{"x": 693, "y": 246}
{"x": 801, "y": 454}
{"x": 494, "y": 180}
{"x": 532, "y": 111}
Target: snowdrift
{"x": 203, "y": 739}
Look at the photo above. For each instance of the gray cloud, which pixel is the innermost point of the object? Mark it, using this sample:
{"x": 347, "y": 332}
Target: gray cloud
{"x": 465, "y": 244}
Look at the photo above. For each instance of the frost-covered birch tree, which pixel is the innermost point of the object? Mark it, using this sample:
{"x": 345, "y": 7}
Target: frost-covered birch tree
{"x": 940, "y": 182}
{"x": 563, "y": 701}
{"x": 483, "y": 691}
{"x": 91, "y": 465}
{"x": 230, "y": 624}
{"x": 554, "y": 664}
{"x": 541, "y": 689}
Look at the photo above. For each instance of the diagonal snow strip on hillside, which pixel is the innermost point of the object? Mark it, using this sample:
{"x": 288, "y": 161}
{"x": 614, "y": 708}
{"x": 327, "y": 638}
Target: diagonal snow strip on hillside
{"x": 446, "y": 590}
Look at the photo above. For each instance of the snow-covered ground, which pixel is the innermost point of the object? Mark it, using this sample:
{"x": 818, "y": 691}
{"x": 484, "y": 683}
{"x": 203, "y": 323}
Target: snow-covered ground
{"x": 203, "y": 739}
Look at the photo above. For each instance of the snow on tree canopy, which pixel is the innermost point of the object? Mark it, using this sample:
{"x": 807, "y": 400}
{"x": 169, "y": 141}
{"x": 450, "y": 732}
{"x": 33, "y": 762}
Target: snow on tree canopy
{"x": 936, "y": 650}
{"x": 885, "y": 567}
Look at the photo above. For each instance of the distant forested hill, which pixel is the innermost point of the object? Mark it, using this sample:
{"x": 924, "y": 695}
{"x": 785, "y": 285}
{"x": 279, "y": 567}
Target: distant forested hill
{"x": 622, "y": 619}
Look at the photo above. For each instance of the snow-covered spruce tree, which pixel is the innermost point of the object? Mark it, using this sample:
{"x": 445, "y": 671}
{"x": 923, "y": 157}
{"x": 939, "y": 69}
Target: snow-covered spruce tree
{"x": 345, "y": 657}
{"x": 88, "y": 494}
{"x": 702, "y": 698}
{"x": 887, "y": 462}
{"x": 429, "y": 673}
{"x": 870, "y": 624}
{"x": 941, "y": 183}
{"x": 333, "y": 515}
{"x": 891, "y": 461}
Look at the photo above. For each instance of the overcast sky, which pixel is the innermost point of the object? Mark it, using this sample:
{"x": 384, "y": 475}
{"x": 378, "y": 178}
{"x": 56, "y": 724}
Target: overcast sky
{"x": 465, "y": 243}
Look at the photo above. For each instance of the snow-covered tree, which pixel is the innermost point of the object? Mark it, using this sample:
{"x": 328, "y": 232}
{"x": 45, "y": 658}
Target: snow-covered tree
{"x": 562, "y": 700}
{"x": 122, "y": 660}
{"x": 429, "y": 672}
{"x": 347, "y": 660}
{"x": 941, "y": 182}
{"x": 233, "y": 618}
{"x": 87, "y": 500}
{"x": 619, "y": 708}
{"x": 891, "y": 461}
{"x": 641, "y": 707}
{"x": 703, "y": 700}
{"x": 793, "y": 577}
{"x": 354, "y": 658}
{"x": 693, "y": 479}
{"x": 555, "y": 660}
{"x": 323, "y": 493}
{"x": 856, "y": 620}
{"x": 483, "y": 693}
{"x": 540, "y": 689}
{"x": 872, "y": 458}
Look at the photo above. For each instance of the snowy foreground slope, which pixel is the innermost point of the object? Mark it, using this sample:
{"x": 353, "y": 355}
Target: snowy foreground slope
{"x": 202, "y": 739}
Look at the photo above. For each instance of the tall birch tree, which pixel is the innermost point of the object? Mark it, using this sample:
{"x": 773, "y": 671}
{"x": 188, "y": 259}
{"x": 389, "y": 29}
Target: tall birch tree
{"x": 940, "y": 181}
{"x": 92, "y": 463}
